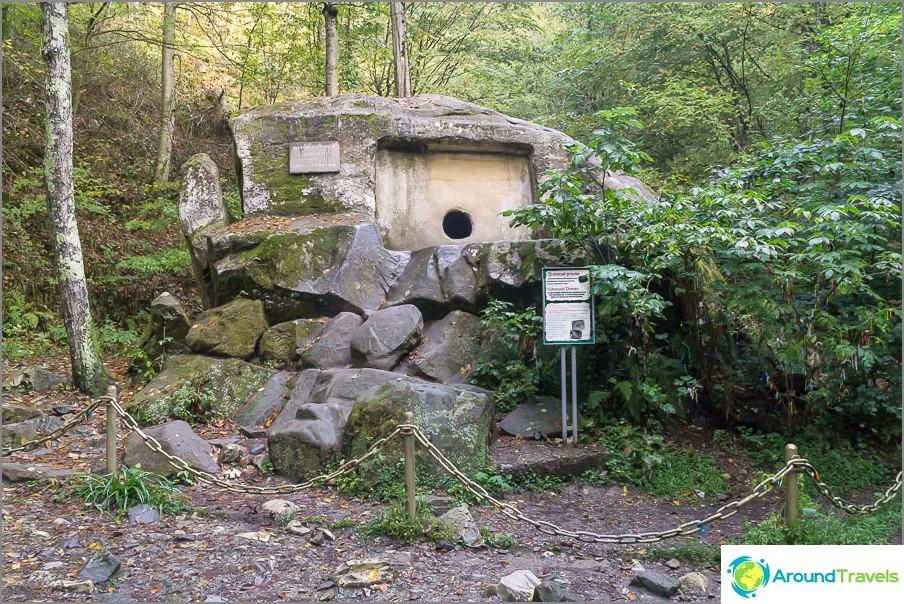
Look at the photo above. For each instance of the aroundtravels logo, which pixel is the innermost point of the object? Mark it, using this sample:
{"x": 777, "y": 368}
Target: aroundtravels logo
{"x": 748, "y": 575}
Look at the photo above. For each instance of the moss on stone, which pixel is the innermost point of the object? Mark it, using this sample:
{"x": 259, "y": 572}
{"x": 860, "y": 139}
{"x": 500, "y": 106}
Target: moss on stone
{"x": 292, "y": 257}
{"x": 290, "y": 194}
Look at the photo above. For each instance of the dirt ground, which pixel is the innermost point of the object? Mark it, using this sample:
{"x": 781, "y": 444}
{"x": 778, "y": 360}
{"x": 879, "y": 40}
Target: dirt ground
{"x": 194, "y": 558}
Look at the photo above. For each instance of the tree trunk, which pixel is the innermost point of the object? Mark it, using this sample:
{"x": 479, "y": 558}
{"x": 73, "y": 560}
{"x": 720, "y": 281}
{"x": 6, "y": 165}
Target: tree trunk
{"x": 168, "y": 99}
{"x": 400, "y": 50}
{"x": 330, "y": 14}
{"x": 88, "y": 373}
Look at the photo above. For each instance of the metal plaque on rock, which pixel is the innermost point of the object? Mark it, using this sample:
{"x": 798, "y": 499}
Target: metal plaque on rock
{"x": 319, "y": 156}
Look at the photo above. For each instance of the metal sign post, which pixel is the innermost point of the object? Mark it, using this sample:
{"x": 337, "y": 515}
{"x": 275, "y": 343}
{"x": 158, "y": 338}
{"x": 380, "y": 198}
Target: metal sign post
{"x": 568, "y": 319}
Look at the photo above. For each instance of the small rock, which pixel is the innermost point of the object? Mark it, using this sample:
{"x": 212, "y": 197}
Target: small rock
{"x": 694, "y": 583}
{"x": 656, "y": 583}
{"x": 553, "y": 591}
{"x": 636, "y": 566}
{"x": 74, "y": 587}
{"x": 52, "y": 565}
{"x": 100, "y": 567}
{"x": 720, "y": 497}
{"x": 215, "y": 599}
{"x": 280, "y": 508}
{"x": 517, "y": 587}
{"x": 231, "y": 453}
{"x": 320, "y": 536}
{"x": 256, "y": 448}
{"x": 674, "y": 564}
{"x": 25, "y": 472}
{"x": 260, "y": 536}
{"x": 182, "y": 536}
{"x": 42, "y": 380}
{"x": 445, "y": 546}
{"x": 726, "y": 476}
{"x": 297, "y": 528}
{"x": 61, "y": 522}
{"x": 700, "y": 494}
{"x": 71, "y": 543}
{"x": 40, "y": 577}
{"x": 362, "y": 573}
{"x": 326, "y": 585}
{"x": 143, "y": 514}
{"x": 460, "y": 522}
{"x": 41, "y": 534}
{"x": 253, "y": 432}
{"x": 64, "y": 409}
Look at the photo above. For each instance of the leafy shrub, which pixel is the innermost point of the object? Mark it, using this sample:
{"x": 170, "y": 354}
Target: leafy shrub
{"x": 394, "y": 523}
{"x": 116, "y": 493}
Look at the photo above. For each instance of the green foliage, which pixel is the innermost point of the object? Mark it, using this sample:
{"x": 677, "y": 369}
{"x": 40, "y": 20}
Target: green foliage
{"x": 815, "y": 527}
{"x": 378, "y": 478}
{"x": 116, "y": 493}
{"x": 169, "y": 260}
{"x": 509, "y": 356}
{"x": 393, "y": 522}
{"x": 498, "y": 540}
{"x": 647, "y": 462}
{"x": 693, "y": 553}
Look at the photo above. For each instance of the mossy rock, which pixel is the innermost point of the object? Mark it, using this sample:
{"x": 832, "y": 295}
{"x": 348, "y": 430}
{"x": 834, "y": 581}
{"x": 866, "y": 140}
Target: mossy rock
{"x": 458, "y": 421}
{"x": 222, "y": 385}
{"x": 231, "y": 330}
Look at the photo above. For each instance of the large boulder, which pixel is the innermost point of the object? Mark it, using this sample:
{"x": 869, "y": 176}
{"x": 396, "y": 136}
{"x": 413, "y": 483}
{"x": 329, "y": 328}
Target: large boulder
{"x": 457, "y": 420}
{"x": 386, "y": 336}
{"x": 449, "y": 347}
{"x": 333, "y": 347}
{"x": 283, "y": 343}
{"x": 300, "y": 448}
{"x": 267, "y": 401}
{"x": 176, "y": 438}
{"x": 306, "y": 267}
{"x": 17, "y": 413}
{"x": 437, "y": 279}
{"x": 202, "y": 210}
{"x": 231, "y": 330}
{"x": 166, "y": 329}
{"x": 225, "y": 384}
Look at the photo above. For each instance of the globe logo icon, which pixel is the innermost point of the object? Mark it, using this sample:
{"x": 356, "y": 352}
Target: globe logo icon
{"x": 748, "y": 575}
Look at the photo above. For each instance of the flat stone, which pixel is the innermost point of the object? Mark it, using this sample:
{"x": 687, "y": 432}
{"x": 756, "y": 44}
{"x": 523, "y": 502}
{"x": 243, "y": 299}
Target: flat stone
{"x": 385, "y": 336}
{"x": 100, "y": 567}
{"x": 461, "y": 523}
{"x": 540, "y": 417}
{"x": 517, "y": 587}
{"x": 24, "y": 472}
{"x": 278, "y": 508}
{"x": 546, "y": 459}
{"x": 13, "y": 414}
{"x": 253, "y": 432}
{"x": 553, "y": 591}
{"x": 85, "y": 586}
{"x": 448, "y": 348}
{"x": 176, "y": 438}
{"x": 321, "y": 536}
{"x": 656, "y": 583}
{"x": 266, "y": 402}
{"x": 362, "y": 573}
{"x": 673, "y": 563}
{"x": 143, "y": 514}
{"x": 438, "y": 504}
{"x": 16, "y": 435}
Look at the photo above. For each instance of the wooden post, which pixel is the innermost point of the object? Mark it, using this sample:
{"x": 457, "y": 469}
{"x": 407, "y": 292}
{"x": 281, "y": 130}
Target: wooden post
{"x": 791, "y": 489}
{"x": 111, "y": 433}
{"x": 409, "y": 468}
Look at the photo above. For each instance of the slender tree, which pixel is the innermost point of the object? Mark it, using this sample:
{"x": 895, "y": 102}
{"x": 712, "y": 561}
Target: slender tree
{"x": 331, "y": 81}
{"x": 88, "y": 373}
{"x": 168, "y": 98}
{"x": 400, "y": 50}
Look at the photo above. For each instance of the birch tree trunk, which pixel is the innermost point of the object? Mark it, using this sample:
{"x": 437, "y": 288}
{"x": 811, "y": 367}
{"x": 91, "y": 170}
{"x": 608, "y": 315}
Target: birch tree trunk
{"x": 88, "y": 373}
{"x": 330, "y": 14}
{"x": 400, "y": 49}
{"x": 168, "y": 99}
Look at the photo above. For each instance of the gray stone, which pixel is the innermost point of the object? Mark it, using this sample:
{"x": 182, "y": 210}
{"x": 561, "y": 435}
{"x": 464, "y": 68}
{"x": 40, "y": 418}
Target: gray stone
{"x": 226, "y": 383}
{"x": 386, "y": 336}
{"x": 316, "y": 266}
{"x": 100, "y": 567}
{"x": 438, "y": 278}
{"x": 267, "y": 401}
{"x": 46, "y": 423}
{"x": 362, "y": 573}
{"x": 176, "y": 438}
{"x": 461, "y": 523}
{"x": 253, "y": 432}
{"x": 519, "y": 586}
{"x": 553, "y": 591}
{"x": 320, "y": 536}
{"x": 300, "y": 394}
{"x": 283, "y": 343}
{"x": 694, "y": 583}
{"x": 333, "y": 348}
{"x": 214, "y": 598}
{"x": 167, "y": 327}
{"x": 656, "y": 583}
{"x": 506, "y": 267}
{"x": 202, "y": 211}
{"x": 231, "y": 453}
{"x": 540, "y": 417}
{"x": 231, "y": 330}
{"x": 13, "y": 414}
{"x": 25, "y": 472}
{"x": 43, "y": 380}
{"x": 438, "y": 504}
{"x": 85, "y": 586}
{"x": 143, "y": 514}
{"x": 673, "y": 563}
{"x": 448, "y": 348}
{"x": 16, "y": 435}
{"x": 299, "y": 449}
{"x": 280, "y": 508}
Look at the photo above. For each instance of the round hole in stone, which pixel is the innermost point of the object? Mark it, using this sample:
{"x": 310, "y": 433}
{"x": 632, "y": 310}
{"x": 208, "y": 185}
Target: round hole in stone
{"x": 457, "y": 224}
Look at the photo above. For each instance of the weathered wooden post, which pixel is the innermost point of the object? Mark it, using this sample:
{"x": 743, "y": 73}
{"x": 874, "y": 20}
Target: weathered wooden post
{"x": 791, "y": 488}
{"x": 111, "y": 432}
{"x": 409, "y": 468}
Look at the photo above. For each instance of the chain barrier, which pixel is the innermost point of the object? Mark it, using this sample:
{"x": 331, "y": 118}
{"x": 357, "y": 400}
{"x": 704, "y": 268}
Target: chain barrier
{"x": 80, "y": 418}
{"x": 346, "y": 467}
{"x": 763, "y": 488}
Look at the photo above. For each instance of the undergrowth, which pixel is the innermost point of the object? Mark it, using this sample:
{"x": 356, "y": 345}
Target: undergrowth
{"x": 115, "y": 494}
{"x": 394, "y": 523}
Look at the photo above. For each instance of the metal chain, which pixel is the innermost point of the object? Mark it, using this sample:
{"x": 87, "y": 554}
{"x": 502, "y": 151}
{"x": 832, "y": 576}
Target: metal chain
{"x": 688, "y": 528}
{"x": 55, "y": 434}
{"x": 847, "y": 506}
{"x": 180, "y": 464}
